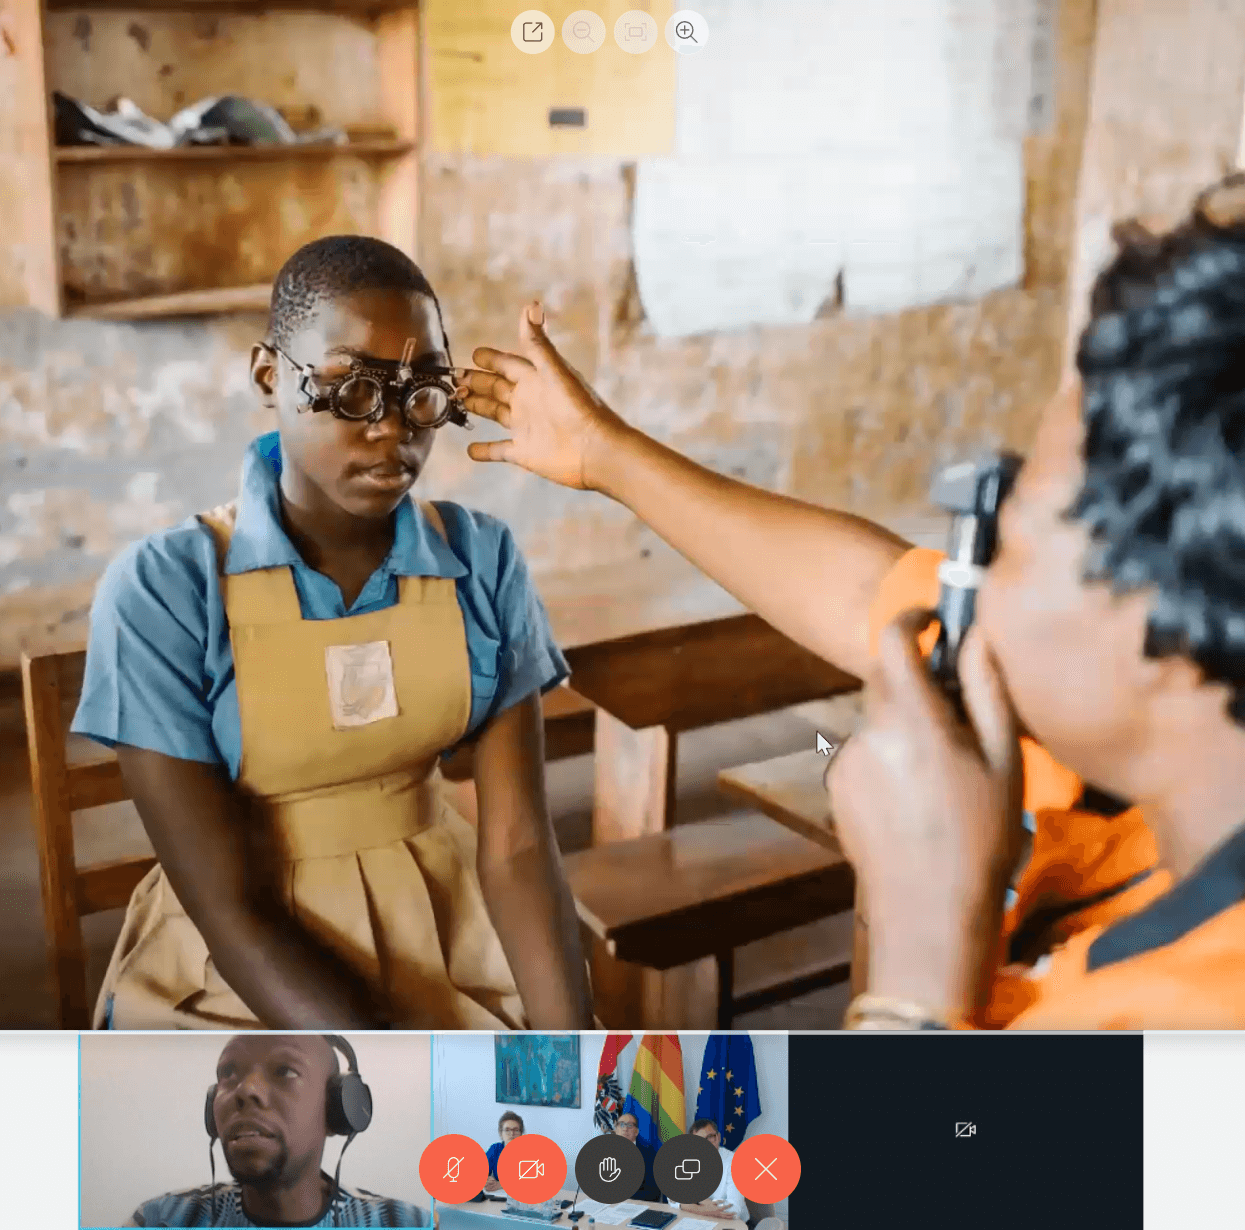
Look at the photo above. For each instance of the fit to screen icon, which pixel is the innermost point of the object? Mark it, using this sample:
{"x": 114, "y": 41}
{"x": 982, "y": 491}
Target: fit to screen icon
{"x": 689, "y": 1168}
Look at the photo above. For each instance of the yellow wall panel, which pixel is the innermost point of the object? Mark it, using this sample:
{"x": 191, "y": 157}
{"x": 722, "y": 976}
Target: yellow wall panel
{"x": 487, "y": 97}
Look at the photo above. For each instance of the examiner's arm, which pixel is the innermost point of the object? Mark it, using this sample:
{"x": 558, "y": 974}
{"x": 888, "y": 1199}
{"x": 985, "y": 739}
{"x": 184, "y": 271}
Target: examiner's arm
{"x": 521, "y": 872}
{"x": 811, "y": 572}
{"x": 192, "y": 816}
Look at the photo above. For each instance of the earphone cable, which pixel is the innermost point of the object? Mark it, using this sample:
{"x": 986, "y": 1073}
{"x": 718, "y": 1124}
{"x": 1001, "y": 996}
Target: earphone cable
{"x": 337, "y": 1179}
{"x": 212, "y": 1167}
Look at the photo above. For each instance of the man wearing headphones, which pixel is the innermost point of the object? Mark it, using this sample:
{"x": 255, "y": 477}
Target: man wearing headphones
{"x": 277, "y": 1099}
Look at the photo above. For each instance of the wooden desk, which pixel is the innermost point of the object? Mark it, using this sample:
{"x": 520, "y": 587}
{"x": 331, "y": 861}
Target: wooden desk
{"x": 659, "y": 649}
{"x": 791, "y": 790}
{"x": 494, "y": 1209}
{"x": 696, "y": 893}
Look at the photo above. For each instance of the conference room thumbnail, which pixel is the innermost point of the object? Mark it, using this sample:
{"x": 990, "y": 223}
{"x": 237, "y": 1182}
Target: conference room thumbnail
{"x": 642, "y": 1130}
{"x": 199, "y": 1129}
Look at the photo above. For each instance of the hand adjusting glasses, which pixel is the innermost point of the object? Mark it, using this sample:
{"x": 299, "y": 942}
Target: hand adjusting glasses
{"x": 426, "y": 395}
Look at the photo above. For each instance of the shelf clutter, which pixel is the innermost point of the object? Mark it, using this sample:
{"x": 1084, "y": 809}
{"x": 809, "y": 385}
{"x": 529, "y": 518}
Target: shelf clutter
{"x": 145, "y": 230}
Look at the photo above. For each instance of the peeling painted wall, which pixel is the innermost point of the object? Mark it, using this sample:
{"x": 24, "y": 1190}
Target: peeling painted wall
{"x": 110, "y": 431}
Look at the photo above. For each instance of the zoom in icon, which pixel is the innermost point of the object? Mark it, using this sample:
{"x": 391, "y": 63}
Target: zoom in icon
{"x": 609, "y": 1169}
{"x": 687, "y": 1169}
{"x": 687, "y": 32}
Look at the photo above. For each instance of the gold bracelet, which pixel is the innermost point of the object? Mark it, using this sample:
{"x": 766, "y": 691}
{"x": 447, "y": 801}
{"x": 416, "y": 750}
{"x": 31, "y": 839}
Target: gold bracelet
{"x": 875, "y": 1012}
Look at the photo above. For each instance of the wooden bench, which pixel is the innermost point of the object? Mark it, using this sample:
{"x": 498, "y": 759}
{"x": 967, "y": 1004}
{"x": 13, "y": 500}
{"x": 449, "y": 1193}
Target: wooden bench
{"x": 791, "y": 790}
{"x": 652, "y": 686}
{"x": 659, "y": 649}
{"x": 693, "y": 895}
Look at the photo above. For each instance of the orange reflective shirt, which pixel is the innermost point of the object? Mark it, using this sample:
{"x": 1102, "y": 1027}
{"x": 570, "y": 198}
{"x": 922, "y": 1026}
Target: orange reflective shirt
{"x": 1091, "y": 864}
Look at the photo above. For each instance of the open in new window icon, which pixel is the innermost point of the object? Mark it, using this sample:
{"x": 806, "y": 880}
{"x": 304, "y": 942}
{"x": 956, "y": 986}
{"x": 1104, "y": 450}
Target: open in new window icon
{"x": 966, "y": 1129}
{"x": 533, "y": 31}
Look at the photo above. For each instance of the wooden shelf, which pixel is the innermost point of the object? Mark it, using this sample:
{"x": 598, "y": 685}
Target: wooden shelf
{"x": 70, "y": 224}
{"x": 338, "y": 7}
{"x": 187, "y": 303}
{"x": 94, "y": 154}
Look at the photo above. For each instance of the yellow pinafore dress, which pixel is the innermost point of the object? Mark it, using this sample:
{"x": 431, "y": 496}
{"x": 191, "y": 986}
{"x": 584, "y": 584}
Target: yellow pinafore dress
{"x": 366, "y": 853}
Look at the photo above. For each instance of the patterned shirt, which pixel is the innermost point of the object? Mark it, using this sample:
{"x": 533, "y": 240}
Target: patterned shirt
{"x": 199, "y": 1207}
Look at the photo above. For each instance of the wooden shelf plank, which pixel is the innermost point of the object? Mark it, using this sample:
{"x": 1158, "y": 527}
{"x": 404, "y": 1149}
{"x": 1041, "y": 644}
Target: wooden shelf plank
{"x": 342, "y": 7}
{"x": 185, "y": 303}
{"x": 94, "y": 154}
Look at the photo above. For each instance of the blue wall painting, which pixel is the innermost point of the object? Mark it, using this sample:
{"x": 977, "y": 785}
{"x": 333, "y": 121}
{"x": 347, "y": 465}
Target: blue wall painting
{"x": 537, "y": 1069}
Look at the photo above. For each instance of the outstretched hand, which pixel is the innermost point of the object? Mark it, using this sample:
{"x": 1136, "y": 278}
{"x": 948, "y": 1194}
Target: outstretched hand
{"x": 559, "y": 428}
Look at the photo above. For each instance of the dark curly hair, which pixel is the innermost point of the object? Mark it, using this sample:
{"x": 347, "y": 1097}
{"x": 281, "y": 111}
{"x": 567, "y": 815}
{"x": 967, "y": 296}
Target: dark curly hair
{"x": 1163, "y": 366}
{"x": 340, "y": 265}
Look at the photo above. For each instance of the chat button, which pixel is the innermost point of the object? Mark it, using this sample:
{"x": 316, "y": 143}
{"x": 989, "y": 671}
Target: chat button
{"x": 687, "y": 1169}
{"x": 532, "y": 32}
{"x": 531, "y": 1169}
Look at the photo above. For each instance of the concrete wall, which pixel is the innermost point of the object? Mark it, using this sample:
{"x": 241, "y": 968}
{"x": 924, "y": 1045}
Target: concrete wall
{"x": 1165, "y": 119}
{"x": 109, "y": 431}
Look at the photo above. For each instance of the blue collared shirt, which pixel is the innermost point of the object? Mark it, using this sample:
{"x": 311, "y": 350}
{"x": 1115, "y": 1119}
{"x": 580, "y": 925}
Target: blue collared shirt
{"x": 159, "y": 668}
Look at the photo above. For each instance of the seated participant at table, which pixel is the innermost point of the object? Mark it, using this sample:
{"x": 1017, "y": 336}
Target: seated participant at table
{"x": 628, "y": 1126}
{"x": 1112, "y": 626}
{"x": 509, "y": 1127}
{"x": 726, "y": 1202}
{"x": 271, "y": 1114}
{"x": 279, "y": 678}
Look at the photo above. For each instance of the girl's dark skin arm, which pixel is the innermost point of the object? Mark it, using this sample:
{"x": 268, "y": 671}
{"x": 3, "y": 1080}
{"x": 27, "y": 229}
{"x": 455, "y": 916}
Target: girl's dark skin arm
{"x": 193, "y": 817}
{"x": 521, "y": 873}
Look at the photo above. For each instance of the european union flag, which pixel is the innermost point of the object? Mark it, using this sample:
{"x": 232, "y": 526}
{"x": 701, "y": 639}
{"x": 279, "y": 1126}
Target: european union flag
{"x": 728, "y": 1086}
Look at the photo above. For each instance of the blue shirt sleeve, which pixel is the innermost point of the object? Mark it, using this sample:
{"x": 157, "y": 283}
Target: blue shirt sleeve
{"x": 531, "y": 660}
{"x": 509, "y": 640}
{"x": 146, "y": 682}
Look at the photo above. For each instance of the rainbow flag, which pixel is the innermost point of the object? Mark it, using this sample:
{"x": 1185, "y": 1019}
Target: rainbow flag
{"x": 656, "y": 1097}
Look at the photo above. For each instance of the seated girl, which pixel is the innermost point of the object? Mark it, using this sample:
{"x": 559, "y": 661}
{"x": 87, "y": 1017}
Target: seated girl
{"x": 509, "y": 1127}
{"x": 280, "y": 677}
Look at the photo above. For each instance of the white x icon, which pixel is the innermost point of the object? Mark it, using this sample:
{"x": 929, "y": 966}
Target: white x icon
{"x": 765, "y": 1169}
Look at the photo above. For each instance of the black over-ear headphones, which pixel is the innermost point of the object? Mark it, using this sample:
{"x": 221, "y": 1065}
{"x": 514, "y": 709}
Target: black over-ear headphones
{"x": 348, "y": 1104}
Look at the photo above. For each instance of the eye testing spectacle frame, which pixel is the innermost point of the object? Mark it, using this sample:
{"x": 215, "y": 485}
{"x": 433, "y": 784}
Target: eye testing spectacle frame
{"x": 426, "y": 395}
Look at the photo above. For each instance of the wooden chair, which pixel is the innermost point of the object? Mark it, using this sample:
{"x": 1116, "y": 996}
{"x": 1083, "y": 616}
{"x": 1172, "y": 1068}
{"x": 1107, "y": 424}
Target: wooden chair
{"x": 51, "y": 685}
{"x": 698, "y": 892}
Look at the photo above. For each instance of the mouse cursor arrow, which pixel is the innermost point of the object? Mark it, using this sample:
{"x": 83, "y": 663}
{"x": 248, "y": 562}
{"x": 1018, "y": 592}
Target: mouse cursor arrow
{"x": 823, "y": 748}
